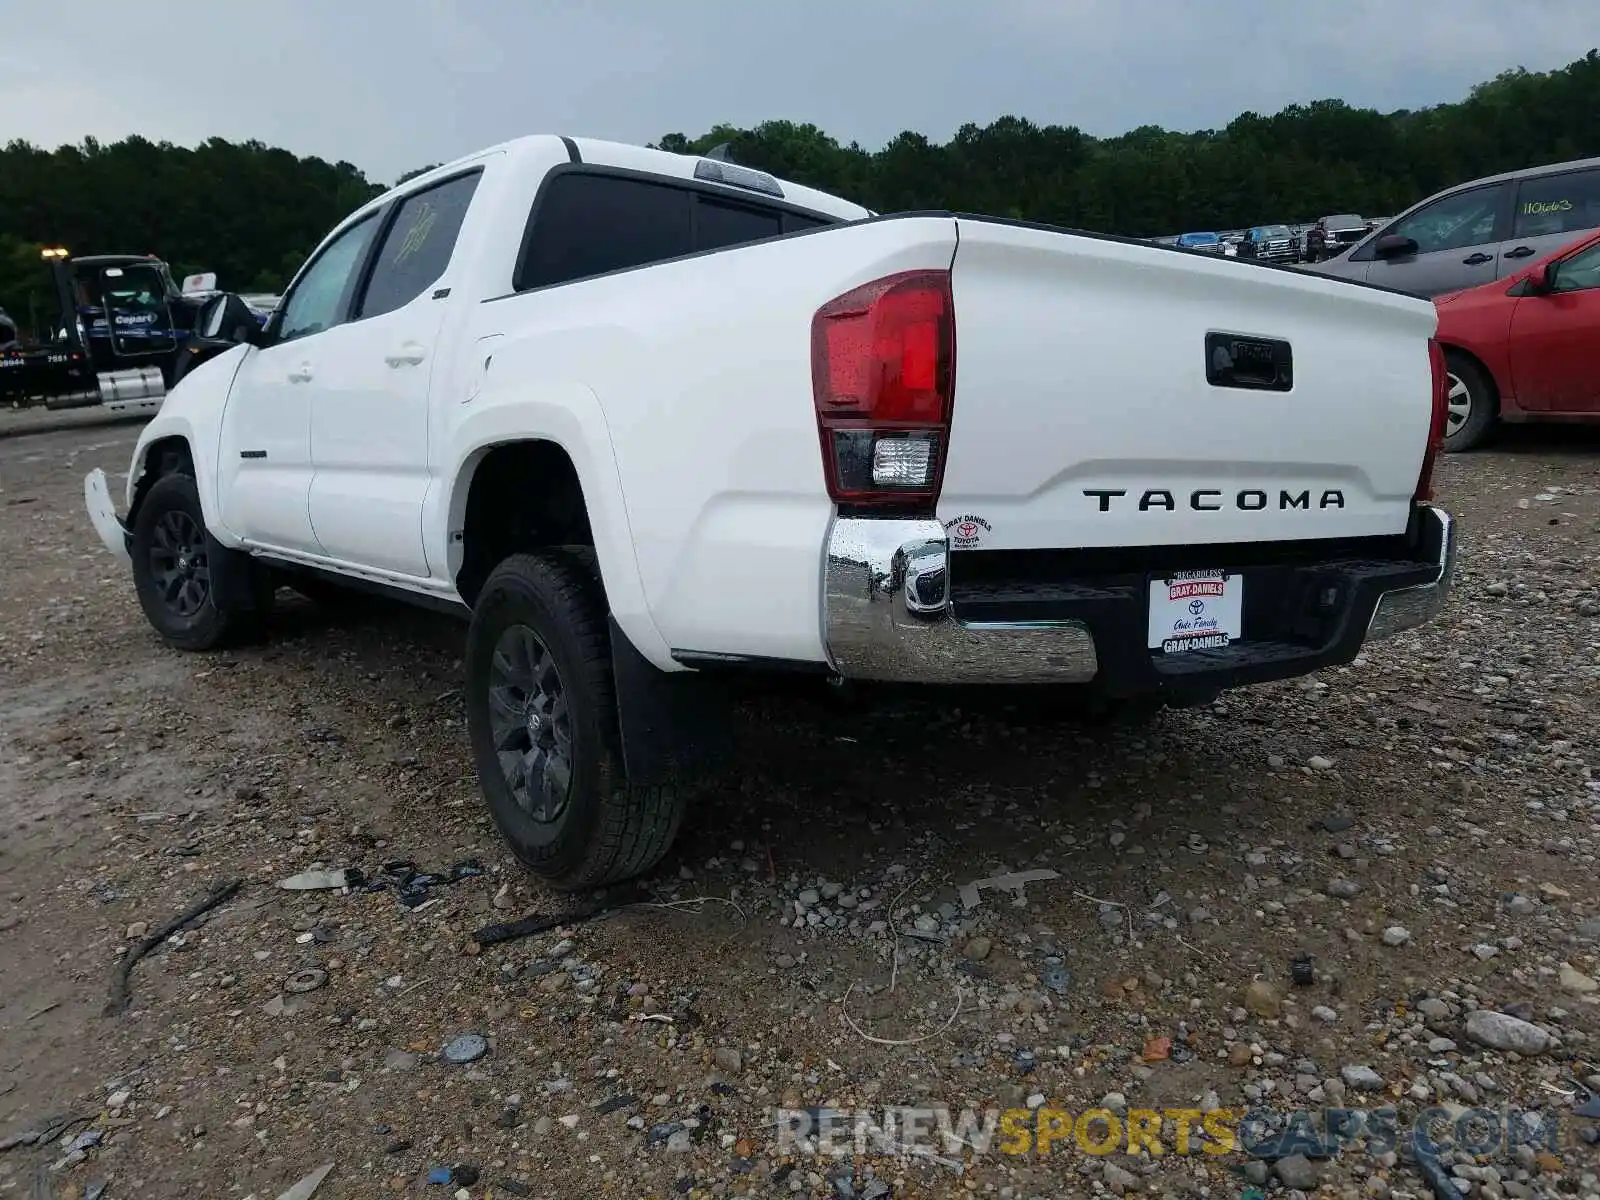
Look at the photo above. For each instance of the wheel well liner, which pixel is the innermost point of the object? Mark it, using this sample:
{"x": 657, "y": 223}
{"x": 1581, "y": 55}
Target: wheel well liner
{"x": 523, "y": 496}
{"x": 161, "y": 457}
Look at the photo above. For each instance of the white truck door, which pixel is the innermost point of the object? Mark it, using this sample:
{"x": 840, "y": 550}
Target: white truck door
{"x": 264, "y": 466}
{"x": 369, "y": 420}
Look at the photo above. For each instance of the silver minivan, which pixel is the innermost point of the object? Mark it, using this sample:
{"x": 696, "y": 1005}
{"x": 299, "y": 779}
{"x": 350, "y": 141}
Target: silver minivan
{"x": 1476, "y": 232}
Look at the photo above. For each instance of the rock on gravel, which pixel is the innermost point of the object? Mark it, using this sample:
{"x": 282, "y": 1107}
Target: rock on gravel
{"x": 1501, "y": 1031}
{"x": 1361, "y": 1079}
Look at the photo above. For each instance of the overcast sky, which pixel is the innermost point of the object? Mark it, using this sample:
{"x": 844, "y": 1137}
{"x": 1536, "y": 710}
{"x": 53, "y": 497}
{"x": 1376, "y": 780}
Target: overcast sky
{"x": 394, "y": 84}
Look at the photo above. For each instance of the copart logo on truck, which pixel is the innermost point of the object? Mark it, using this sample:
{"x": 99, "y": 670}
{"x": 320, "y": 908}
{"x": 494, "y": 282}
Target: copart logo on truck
{"x": 1215, "y": 499}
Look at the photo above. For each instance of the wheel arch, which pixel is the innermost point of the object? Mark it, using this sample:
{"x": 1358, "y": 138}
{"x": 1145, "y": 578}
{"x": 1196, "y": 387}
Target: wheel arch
{"x": 564, "y": 419}
{"x": 166, "y": 454}
{"x": 1458, "y": 351}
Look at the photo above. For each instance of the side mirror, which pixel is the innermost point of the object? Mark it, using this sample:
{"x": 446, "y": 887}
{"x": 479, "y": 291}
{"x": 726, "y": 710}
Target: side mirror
{"x": 199, "y": 285}
{"x": 1543, "y": 281}
{"x": 227, "y": 318}
{"x": 1393, "y": 245}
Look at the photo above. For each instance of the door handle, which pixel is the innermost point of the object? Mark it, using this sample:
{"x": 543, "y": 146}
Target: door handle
{"x": 301, "y": 374}
{"x": 408, "y": 355}
{"x": 1477, "y": 259}
{"x": 1519, "y": 252}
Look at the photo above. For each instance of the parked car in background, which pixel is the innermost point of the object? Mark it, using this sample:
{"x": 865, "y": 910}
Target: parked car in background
{"x": 1478, "y": 232}
{"x": 1206, "y": 243}
{"x": 1270, "y": 243}
{"x": 1340, "y": 232}
{"x": 1524, "y": 349}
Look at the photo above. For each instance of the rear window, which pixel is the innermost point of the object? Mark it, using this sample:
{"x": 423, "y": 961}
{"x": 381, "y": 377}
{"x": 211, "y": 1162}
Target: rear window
{"x": 589, "y": 224}
{"x": 586, "y": 224}
{"x": 718, "y": 224}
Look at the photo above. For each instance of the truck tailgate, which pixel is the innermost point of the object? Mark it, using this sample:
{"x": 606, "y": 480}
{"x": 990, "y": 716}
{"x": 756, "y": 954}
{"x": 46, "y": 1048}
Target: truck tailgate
{"x": 1098, "y": 398}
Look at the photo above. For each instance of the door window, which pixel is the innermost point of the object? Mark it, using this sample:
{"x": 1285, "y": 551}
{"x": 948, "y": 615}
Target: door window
{"x": 319, "y": 298}
{"x": 1556, "y": 204}
{"x": 1465, "y": 219}
{"x": 418, "y": 245}
{"x": 1580, "y": 272}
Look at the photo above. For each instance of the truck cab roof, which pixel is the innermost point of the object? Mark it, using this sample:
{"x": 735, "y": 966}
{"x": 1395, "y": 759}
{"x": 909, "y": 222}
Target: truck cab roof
{"x": 620, "y": 156}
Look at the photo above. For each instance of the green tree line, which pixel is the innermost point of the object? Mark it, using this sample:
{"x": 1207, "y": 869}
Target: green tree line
{"x": 251, "y": 212}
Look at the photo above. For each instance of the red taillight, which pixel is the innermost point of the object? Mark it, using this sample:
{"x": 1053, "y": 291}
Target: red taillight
{"x": 882, "y": 372}
{"x": 1441, "y": 409}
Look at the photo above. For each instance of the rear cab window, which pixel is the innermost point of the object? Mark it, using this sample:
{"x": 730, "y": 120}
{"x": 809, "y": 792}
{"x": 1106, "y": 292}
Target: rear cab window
{"x": 588, "y": 222}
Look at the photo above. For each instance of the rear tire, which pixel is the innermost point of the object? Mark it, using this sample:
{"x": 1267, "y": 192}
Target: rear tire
{"x": 1473, "y": 405}
{"x": 542, "y": 715}
{"x": 173, "y": 571}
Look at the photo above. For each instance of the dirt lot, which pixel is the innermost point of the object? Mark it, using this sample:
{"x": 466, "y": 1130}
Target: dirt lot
{"x": 1422, "y": 824}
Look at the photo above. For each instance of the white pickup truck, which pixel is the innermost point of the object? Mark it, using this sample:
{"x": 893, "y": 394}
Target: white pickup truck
{"x": 648, "y": 418}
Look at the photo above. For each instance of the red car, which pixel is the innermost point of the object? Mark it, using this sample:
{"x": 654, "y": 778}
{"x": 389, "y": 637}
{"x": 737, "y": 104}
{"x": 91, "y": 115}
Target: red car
{"x": 1524, "y": 348}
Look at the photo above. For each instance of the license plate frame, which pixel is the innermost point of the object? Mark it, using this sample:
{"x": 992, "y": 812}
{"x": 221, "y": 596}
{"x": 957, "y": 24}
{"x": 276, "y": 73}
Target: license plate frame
{"x": 1194, "y": 610}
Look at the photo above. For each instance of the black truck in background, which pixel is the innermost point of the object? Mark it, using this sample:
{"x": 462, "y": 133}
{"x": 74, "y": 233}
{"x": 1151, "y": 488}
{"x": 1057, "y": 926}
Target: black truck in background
{"x": 124, "y": 336}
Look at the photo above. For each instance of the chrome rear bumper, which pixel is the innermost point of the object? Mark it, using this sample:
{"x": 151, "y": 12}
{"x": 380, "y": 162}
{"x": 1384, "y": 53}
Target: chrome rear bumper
{"x": 888, "y": 616}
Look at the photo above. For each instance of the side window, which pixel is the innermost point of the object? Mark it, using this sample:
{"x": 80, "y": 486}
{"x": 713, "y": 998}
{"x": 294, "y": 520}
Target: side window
{"x": 1464, "y": 219}
{"x": 1554, "y": 204}
{"x": 318, "y": 299}
{"x": 1580, "y": 272}
{"x": 587, "y": 225}
{"x": 717, "y": 224}
{"x": 794, "y": 222}
{"x": 417, "y": 248}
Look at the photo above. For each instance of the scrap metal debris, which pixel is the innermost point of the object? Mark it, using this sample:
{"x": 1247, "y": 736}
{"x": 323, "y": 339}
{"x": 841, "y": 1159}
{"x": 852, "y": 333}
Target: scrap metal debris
{"x": 411, "y": 884}
{"x": 320, "y": 881}
{"x": 1011, "y": 881}
{"x": 121, "y": 987}
{"x": 307, "y": 980}
{"x": 307, "y": 1186}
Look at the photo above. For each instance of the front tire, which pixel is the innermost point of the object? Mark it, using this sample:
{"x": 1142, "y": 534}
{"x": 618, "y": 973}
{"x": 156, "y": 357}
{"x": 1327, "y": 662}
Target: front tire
{"x": 542, "y": 716}
{"x": 1472, "y": 409}
{"x": 173, "y": 572}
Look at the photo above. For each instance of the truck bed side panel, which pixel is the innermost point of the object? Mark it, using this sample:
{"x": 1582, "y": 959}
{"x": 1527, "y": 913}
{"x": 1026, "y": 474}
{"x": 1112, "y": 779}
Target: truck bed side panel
{"x": 703, "y": 369}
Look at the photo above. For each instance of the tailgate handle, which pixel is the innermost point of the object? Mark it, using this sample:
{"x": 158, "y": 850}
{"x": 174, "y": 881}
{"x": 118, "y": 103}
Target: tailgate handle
{"x": 1259, "y": 364}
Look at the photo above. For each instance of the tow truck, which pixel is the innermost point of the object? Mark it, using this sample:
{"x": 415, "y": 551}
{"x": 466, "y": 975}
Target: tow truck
{"x": 123, "y": 339}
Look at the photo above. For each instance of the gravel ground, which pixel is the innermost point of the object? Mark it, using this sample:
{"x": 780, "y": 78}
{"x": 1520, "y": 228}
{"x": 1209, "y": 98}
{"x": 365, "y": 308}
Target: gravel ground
{"x": 1421, "y": 825}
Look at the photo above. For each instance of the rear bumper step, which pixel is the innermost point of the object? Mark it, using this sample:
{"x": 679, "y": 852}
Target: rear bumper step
{"x": 899, "y": 607}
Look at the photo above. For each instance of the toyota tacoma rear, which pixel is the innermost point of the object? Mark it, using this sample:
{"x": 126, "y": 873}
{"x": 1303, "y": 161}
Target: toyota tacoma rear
{"x": 1072, "y": 459}
{"x": 643, "y": 418}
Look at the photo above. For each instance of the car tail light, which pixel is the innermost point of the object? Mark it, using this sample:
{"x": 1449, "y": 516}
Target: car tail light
{"x": 1441, "y": 409}
{"x": 882, "y": 374}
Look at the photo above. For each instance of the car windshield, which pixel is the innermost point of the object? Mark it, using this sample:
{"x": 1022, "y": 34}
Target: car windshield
{"x": 1267, "y": 233}
{"x": 1198, "y": 239}
{"x": 1345, "y": 221}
